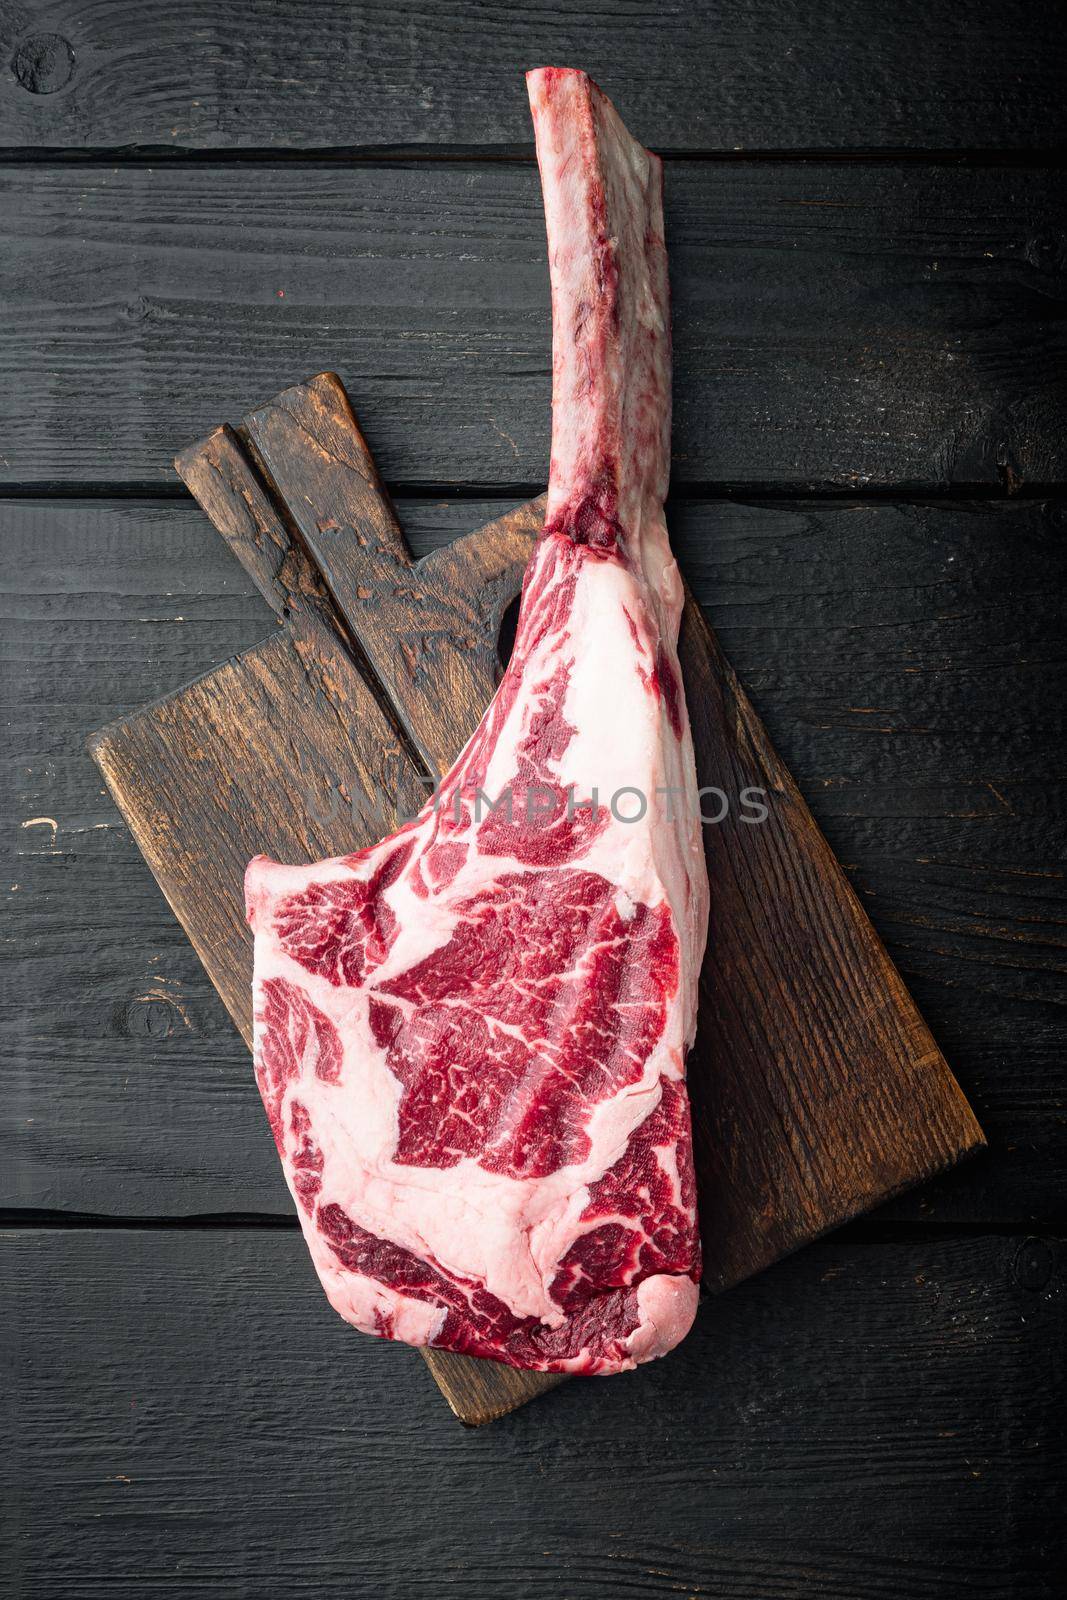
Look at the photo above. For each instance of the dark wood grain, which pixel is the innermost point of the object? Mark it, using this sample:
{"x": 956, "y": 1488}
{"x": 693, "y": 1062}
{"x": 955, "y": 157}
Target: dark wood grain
{"x": 907, "y": 660}
{"x": 876, "y": 1417}
{"x": 834, "y": 324}
{"x": 701, "y": 76}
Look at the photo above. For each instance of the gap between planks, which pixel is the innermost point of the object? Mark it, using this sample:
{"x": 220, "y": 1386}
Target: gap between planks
{"x": 509, "y": 154}
{"x": 778, "y": 494}
{"x": 869, "y": 1228}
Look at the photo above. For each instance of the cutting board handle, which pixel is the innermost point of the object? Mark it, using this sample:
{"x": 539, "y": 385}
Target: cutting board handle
{"x": 428, "y": 629}
{"x": 217, "y": 472}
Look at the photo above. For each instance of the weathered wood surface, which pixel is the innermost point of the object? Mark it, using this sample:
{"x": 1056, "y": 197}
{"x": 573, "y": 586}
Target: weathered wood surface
{"x": 697, "y": 75}
{"x": 907, "y": 661}
{"x": 853, "y": 326}
{"x": 430, "y": 633}
{"x": 876, "y": 1417}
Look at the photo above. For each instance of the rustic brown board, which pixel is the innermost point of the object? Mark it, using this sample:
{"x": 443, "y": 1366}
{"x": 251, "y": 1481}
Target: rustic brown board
{"x": 817, "y": 1088}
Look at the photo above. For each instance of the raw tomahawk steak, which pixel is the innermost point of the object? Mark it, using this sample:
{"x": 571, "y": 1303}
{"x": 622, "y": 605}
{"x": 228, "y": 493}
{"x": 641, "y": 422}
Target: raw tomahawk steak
{"x": 471, "y": 1039}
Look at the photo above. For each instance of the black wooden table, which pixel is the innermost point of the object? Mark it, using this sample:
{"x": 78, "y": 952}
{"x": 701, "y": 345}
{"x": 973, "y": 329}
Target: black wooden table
{"x": 866, "y": 216}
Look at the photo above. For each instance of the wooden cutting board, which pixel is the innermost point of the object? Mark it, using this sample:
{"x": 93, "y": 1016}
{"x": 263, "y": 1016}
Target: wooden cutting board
{"x": 817, "y": 1089}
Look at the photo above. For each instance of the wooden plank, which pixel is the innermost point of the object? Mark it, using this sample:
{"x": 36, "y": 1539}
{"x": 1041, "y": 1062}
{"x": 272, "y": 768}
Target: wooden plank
{"x": 876, "y": 1417}
{"x": 724, "y": 76}
{"x": 117, "y": 1044}
{"x": 848, "y": 326}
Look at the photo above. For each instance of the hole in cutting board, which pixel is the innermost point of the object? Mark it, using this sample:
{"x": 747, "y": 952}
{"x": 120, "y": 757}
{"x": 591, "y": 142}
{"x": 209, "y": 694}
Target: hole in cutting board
{"x": 505, "y": 643}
